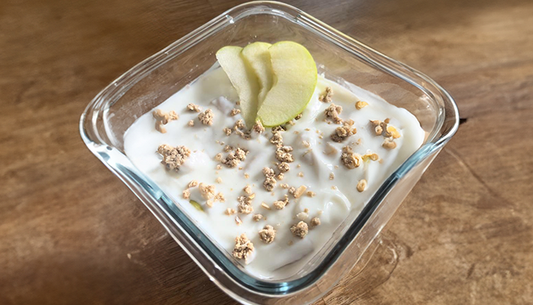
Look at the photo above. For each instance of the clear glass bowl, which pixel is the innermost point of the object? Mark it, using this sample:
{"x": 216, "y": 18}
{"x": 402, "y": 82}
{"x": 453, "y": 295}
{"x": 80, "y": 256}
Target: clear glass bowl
{"x": 151, "y": 82}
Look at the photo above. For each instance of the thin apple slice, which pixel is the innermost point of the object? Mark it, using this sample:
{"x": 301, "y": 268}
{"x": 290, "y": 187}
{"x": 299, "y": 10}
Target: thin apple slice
{"x": 294, "y": 82}
{"x": 258, "y": 57}
{"x": 243, "y": 80}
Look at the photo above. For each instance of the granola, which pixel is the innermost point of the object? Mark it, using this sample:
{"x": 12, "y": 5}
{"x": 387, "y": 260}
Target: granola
{"x": 163, "y": 118}
{"x": 173, "y": 157}
{"x": 206, "y": 117}
{"x": 267, "y": 234}
{"x": 300, "y": 229}
{"x": 243, "y": 248}
{"x": 350, "y": 159}
{"x": 326, "y": 96}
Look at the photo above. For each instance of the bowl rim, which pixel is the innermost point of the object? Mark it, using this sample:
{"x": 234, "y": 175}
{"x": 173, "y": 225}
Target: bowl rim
{"x": 164, "y": 209}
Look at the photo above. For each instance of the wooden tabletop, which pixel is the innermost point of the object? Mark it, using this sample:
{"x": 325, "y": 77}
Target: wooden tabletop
{"x": 71, "y": 232}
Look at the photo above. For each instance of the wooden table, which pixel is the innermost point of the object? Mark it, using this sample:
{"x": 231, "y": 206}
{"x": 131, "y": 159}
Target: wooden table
{"x": 71, "y": 233}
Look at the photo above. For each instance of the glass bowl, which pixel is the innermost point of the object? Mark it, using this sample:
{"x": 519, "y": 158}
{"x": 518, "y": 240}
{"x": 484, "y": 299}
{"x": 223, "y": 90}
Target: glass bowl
{"x": 339, "y": 57}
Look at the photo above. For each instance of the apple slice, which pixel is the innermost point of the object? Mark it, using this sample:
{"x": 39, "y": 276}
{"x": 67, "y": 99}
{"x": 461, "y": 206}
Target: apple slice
{"x": 243, "y": 80}
{"x": 258, "y": 57}
{"x": 294, "y": 82}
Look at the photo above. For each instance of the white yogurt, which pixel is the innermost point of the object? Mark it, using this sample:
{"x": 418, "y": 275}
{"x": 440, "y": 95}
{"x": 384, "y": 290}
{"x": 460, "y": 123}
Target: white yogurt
{"x": 312, "y": 167}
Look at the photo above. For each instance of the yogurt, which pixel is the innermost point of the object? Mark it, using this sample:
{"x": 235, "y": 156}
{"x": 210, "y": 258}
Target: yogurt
{"x": 320, "y": 188}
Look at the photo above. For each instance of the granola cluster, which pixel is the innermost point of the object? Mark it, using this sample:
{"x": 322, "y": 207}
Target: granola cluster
{"x": 326, "y": 96}
{"x": 300, "y": 229}
{"x": 267, "y": 234}
{"x": 234, "y": 157}
{"x": 245, "y": 204}
{"x": 206, "y": 117}
{"x": 280, "y": 204}
{"x": 163, "y": 118}
{"x": 343, "y": 132}
{"x": 360, "y": 105}
{"x": 284, "y": 154}
{"x": 194, "y": 108}
{"x": 349, "y": 158}
{"x": 382, "y": 128}
{"x": 270, "y": 181}
{"x": 173, "y": 157}
{"x": 332, "y": 113}
{"x": 243, "y": 248}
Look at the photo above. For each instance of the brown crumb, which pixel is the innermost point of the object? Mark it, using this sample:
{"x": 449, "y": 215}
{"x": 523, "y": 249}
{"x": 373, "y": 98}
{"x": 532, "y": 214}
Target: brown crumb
{"x": 372, "y": 156}
{"x": 280, "y": 176}
{"x": 186, "y": 194}
{"x": 218, "y": 167}
{"x": 360, "y": 105}
{"x": 209, "y": 203}
{"x": 257, "y": 217}
{"x": 239, "y": 124}
{"x": 284, "y": 186}
{"x": 227, "y": 131}
{"x": 389, "y": 143}
{"x": 245, "y": 204}
{"x": 247, "y": 189}
{"x": 392, "y": 132}
{"x": 280, "y": 204}
{"x": 361, "y": 185}
{"x": 276, "y": 139}
{"x": 238, "y": 220}
{"x": 326, "y": 96}
{"x": 331, "y": 176}
{"x": 265, "y": 206}
{"x": 190, "y": 123}
{"x": 230, "y": 211}
{"x": 284, "y": 167}
{"x": 206, "y": 117}
{"x": 299, "y": 191}
{"x": 300, "y": 229}
{"x": 207, "y": 191}
{"x": 220, "y": 197}
{"x": 194, "y": 107}
{"x": 267, "y": 234}
{"x": 243, "y": 247}
{"x": 311, "y": 194}
{"x": 350, "y": 159}
{"x": 332, "y": 112}
{"x": 292, "y": 189}
{"x": 343, "y": 132}
{"x": 234, "y": 112}
{"x": 173, "y": 157}
{"x": 235, "y": 157}
{"x": 299, "y": 116}
{"x": 258, "y": 127}
{"x": 218, "y": 180}
{"x": 218, "y": 157}
{"x": 193, "y": 183}
{"x": 163, "y": 118}
{"x": 284, "y": 154}
{"x": 300, "y": 174}
{"x": 270, "y": 181}
{"x": 315, "y": 221}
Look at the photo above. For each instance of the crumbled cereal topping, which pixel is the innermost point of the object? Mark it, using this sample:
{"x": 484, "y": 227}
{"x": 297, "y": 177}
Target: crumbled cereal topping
{"x": 207, "y": 191}
{"x": 235, "y": 157}
{"x": 280, "y": 204}
{"x": 284, "y": 167}
{"x": 234, "y": 112}
{"x": 299, "y": 116}
{"x": 331, "y": 176}
{"x": 193, "y": 183}
{"x": 371, "y": 156}
{"x": 300, "y": 229}
{"x": 173, "y": 157}
{"x": 360, "y": 105}
{"x": 276, "y": 139}
{"x": 257, "y": 217}
{"x": 311, "y": 194}
{"x": 194, "y": 107}
{"x": 243, "y": 247}
{"x": 219, "y": 197}
{"x": 270, "y": 181}
{"x": 190, "y": 123}
{"x": 206, "y": 117}
{"x": 218, "y": 180}
{"x": 284, "y": 154}
{"x": 267, "y": 234}
{"x": 326, "y": 96}
{"x": 361, "y": 185}
{"x": 265, "y": 206}
{"x": 227, "y": 131}
{"x": 247, "y": 189}
{"x": 300, "y": 174}
{"x": 238, "y": 220}
{"x": 389, "y": 143}
{"x": 343, "y": 132}
{"x": 350, "y": 159}
{"x": 163, "y": 118}
{"x": 239, "y": 124}
{"x": 258, "y": 127}
{"x": 332, "y": 112}
{"x": 186, "y": 194}
{"x": 299, "y": 191}
{"x": 315, "y": 221}
{"x": 245, "y": 204}
{"x": 280, "y": 176}
{"x": 230, "y": 211}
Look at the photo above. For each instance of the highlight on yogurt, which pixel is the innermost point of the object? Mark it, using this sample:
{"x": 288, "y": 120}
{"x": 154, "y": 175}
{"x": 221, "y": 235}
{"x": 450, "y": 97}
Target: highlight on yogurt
{"x": 267, "y": 157}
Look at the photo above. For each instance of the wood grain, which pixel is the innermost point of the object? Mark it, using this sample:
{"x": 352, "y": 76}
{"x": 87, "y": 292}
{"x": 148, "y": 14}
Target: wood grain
{"x": 71, "y": 233}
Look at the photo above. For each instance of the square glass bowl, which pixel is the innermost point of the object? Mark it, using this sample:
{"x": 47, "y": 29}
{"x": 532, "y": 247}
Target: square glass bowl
{"x": 112, "y": 111}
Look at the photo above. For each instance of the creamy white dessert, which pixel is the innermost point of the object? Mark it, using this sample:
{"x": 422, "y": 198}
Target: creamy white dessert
{"x": 286, "y": 198}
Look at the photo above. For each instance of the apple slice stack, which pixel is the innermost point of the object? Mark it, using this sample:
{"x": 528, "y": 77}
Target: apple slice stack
{"x": 274, "y": 82}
